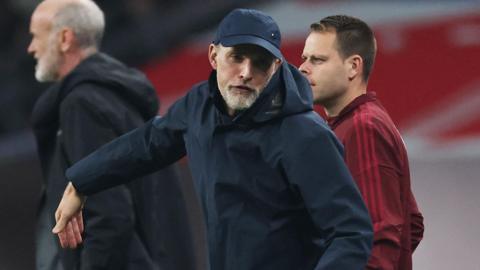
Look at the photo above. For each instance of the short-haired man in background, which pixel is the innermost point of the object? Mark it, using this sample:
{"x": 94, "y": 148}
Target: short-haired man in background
{"x": 94, "y": 99}
{"x": 338, "y": 58}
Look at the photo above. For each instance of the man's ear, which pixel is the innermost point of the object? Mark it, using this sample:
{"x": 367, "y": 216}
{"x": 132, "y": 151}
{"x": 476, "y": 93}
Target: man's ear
{"x": 212, "y": 55}
{"x": 67, "y": 39}
{"x": 354, "y": 66}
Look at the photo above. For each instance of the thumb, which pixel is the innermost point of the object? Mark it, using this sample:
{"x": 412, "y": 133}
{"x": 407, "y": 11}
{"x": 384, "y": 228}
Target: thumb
{"x": 61, "y": 223}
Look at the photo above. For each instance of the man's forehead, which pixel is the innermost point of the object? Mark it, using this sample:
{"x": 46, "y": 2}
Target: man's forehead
{"x": 48, "y": 8}
{"x": 321, "y": 41}
{"x": 44, "y": 14}
{"x": 326, "y": 37}
{"x": 44, "y": 11}
{"x": 40, "y": 21}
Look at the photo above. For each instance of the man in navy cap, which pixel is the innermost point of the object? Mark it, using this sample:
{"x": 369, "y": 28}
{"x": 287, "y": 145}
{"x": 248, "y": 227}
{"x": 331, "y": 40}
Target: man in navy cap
{"x": 269, "y": 172}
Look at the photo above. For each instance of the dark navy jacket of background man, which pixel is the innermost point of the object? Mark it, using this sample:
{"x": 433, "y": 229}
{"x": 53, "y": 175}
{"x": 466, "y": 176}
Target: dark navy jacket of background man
{"x": 274, "y": 188}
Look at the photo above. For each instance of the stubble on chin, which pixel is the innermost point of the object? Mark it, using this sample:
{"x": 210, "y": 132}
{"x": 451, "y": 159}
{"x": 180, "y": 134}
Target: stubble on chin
{"x": 236, "y": 101}
{"x": 46, "y": 69}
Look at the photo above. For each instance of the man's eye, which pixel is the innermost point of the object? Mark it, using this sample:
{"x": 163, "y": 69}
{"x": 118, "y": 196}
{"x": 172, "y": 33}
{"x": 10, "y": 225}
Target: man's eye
{"x": 317, "y": 60}
{"x": 237, "y": 57}
{"x": 262, "y": 64}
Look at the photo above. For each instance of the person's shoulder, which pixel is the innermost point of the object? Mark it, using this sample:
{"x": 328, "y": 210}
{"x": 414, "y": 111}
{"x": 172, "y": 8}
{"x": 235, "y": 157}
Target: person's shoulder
{"x": 304, "y": 119}
{"x": 198, "y": 93}
{"x": 197, "y": 90}
{"x": 308, "y": 132}
{"x": 373, "y": 120}
{"x": 90, "y": 92}
{"x": 305, "y": 124}
{"x": 192, "y": 101}
{"x": 91, "y": 96}
{"x": 371, "y": 115}
{"x": 200, "y": 88}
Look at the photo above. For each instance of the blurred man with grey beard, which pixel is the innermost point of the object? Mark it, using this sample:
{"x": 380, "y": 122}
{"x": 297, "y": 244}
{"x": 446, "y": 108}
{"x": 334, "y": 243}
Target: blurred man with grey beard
{"x": 93, "y": 100}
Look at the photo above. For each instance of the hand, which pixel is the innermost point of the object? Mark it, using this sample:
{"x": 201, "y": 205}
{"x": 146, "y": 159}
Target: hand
{"x": 69, "y": 219}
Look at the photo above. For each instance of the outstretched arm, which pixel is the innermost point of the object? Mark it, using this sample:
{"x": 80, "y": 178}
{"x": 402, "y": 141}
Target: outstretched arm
{"x": 139, "y": 152}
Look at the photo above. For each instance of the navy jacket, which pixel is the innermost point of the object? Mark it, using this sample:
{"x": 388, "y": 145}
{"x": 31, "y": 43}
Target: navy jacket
{"x": 275, "y": 191}
{"x": 125, "y": 228}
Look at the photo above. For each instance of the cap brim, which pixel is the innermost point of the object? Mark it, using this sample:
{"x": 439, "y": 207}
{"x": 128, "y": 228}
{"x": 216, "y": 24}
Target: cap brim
{"x": 244, "y": 39}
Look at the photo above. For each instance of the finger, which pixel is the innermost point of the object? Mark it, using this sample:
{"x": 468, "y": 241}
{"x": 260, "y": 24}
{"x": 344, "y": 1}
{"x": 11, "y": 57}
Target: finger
{"x": 63, "y": 238}
{"x": 76, "y": 231}
{"x": 80, "y": 221}
{"x": 70, "y": 236}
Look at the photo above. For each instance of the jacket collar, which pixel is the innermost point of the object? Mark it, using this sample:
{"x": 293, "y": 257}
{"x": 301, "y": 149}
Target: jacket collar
{"x": 334, "y": 121}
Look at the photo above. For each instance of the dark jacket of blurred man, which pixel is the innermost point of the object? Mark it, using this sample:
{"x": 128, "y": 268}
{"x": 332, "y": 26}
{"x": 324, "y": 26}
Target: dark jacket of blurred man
{"x": 338, "y": 56}
{"x": 94, "y": 99}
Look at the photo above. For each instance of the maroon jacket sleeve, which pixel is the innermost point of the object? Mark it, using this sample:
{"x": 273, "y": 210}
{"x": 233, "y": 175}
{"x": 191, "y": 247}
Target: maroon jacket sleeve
{"x": 373, "y": 160}
{"x": 416, "y": 223}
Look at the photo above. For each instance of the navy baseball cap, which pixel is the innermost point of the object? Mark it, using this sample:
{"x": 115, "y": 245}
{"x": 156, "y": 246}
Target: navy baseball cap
{"x": 249, "y": 26}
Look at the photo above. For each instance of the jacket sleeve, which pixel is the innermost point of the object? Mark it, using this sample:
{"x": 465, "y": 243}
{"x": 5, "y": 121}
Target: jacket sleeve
{"x": 109, "y": 217}
{"x": 158, "y": 143}
{"x": 374, "y": 163}
{"x": 314, "y": 164}
{"x": 417, "y": 226}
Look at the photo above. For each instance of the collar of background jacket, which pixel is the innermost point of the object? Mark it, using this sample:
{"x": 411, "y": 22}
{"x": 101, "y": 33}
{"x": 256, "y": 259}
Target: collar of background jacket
{"x": 334, "y": 121}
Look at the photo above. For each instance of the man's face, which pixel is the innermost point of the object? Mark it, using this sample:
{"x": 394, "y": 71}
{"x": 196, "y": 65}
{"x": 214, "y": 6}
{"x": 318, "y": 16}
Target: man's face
{"x": 44, "y": 47}
{"x": 324, "y": 68}
{"x": 243, "y": 71}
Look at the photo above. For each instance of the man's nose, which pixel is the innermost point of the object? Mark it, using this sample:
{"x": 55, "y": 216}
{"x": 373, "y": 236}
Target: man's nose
{"x": 31, "y": 48}
{"x": 303, "y": 68}
{"x": 246, "y": 69}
